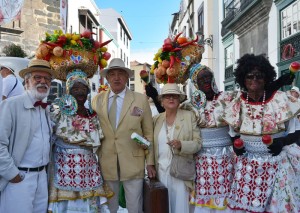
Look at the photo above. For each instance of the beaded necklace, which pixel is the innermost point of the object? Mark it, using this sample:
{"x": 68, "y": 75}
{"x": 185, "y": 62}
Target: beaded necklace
{"x": 212, "y": 106}
{"x": 90, "y": 120}
{"x": 249, "y": 109}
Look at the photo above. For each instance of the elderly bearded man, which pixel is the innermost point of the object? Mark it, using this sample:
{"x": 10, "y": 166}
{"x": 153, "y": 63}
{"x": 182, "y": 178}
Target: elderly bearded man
{"x": 25, "y": 143}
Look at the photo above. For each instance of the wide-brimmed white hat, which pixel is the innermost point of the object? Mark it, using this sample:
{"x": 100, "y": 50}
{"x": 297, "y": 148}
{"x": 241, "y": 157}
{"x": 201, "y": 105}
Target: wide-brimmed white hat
{"x": 37, "y": 65}
{"x": 172, "y": 88}
{"x": 116, "y": 63}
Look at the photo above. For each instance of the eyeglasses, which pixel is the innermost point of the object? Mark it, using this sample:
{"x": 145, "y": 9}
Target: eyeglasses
{"x": 257, "y": 76}
{"x": 38, "y": 78}
{"x": 169, "y": 96}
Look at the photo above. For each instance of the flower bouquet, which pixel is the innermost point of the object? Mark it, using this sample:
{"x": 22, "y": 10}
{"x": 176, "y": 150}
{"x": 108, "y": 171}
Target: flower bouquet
{"x": 70, "y": 51}
{"x": 173, "y": 60}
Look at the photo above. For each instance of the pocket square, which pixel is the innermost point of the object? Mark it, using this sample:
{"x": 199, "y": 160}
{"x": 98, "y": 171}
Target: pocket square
{"x": 137, "y": 111}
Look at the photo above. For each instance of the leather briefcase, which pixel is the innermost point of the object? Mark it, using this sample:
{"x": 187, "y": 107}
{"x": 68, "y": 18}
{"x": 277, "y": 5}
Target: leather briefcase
{"x": 155, "y": 197}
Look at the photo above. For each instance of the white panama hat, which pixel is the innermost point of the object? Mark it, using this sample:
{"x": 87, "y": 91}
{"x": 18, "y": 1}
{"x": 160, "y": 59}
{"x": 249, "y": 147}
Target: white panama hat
{"x": 116, "y": 63}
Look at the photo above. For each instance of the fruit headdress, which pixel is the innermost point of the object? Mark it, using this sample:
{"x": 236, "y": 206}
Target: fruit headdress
{"x": 70, "y": 51}
{"x": 173, "y": 60}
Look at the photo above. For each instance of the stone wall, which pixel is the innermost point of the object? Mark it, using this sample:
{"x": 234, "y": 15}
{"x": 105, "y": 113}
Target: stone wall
{"x": 37, "y": 17}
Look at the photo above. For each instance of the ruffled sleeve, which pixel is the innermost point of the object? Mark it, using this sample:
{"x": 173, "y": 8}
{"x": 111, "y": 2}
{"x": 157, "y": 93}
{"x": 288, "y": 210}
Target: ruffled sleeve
{"x": 232, "y": 112}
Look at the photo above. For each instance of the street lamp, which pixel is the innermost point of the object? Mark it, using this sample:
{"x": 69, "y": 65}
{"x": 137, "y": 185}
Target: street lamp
{"x": 205, "y": 41}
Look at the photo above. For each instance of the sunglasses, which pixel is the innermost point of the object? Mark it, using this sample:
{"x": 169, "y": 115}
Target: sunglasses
{"x": 257, "y": 76}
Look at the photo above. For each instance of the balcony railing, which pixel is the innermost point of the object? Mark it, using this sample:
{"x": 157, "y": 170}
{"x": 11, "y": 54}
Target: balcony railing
{"x": 235, "y": 8}
{"x": 229, "y": 72}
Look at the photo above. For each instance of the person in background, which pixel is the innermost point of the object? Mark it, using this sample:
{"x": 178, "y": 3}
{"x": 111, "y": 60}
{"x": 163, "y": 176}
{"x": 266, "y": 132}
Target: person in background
{"x": 25, "y": 143}
{"x": 176, "y": 131}
{"x": 12, "y": 86}
{"x": 264, "y": 179}
{"x": 122, "y": 112}
{"x": 295, "y": 92}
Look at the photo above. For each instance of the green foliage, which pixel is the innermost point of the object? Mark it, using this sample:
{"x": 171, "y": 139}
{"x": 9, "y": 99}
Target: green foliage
{"x": 13, "y": 50}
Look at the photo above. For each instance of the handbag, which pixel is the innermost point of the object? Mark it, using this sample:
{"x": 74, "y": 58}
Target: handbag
{"x": 182, "y": 167}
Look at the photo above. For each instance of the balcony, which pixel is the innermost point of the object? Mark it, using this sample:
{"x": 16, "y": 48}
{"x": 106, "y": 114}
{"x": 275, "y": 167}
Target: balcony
{"x": 241, "y": 15}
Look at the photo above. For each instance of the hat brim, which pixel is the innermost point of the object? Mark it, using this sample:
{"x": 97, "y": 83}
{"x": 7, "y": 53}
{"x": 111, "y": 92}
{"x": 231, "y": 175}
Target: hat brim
{"x": 23, "y": 72}
{"x": 182, "y": 97}
{"x": 104, "y": 72}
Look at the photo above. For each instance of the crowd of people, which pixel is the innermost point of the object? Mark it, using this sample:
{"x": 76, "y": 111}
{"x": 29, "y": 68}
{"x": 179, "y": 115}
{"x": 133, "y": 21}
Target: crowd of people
{"x": 245, "y": 144}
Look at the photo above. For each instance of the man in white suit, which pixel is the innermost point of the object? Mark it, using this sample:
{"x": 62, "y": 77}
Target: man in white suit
{"x": 25, "y": 143}
{"x": 121, "y": 158}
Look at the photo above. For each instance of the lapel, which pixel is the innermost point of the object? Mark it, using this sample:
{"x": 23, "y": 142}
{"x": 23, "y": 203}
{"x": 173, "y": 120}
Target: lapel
{"x": 178, "y": 124}
{"x": 104, "y": 104}
{"x": 128, "y": 99}
{"x": 27, "y": 101}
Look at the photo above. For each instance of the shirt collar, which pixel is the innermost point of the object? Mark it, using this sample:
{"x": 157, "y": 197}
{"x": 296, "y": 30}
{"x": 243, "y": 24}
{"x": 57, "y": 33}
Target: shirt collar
{"x": 121, "y": 94}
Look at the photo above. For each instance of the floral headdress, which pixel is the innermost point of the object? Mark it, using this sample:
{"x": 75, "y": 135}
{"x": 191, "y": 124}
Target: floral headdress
{"x": 173, "y": 60}
{"x": 70, "y": 51}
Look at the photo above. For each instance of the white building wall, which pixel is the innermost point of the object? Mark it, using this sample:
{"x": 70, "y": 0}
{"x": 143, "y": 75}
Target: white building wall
{"x": 273, "y": 39}
{"x": 73, "y": 26}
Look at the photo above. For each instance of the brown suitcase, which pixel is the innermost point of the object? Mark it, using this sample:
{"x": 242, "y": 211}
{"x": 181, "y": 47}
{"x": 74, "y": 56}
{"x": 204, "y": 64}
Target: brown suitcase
{"x": 155, "y": 197}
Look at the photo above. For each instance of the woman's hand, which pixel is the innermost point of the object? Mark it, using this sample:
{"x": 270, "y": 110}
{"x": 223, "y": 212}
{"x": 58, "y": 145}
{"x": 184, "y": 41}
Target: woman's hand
{"x": 175, "y": 144}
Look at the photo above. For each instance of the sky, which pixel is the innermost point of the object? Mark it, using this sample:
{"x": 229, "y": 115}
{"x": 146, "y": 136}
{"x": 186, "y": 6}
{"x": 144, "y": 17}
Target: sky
{"x": 148, "y": 22}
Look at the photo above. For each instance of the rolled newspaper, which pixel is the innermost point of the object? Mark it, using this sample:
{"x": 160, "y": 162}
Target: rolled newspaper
{"x": 139, "y": 139}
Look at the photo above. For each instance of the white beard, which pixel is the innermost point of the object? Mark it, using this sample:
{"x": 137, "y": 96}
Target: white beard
{"x": 36, "y": 94}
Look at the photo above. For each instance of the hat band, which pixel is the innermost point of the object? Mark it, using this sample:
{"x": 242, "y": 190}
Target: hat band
{"x": 39, "y": 66}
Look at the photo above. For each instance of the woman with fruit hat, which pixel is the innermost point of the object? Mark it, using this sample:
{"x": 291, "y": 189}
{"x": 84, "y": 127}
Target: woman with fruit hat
{"x": 264, "y": 179}
{"x": 216, "y": 156}
{"x": 76, "y": 183}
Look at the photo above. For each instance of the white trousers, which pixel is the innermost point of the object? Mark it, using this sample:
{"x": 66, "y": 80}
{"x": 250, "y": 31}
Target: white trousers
{"x": 28, "y": 196}
{"x": 133, "y": 194}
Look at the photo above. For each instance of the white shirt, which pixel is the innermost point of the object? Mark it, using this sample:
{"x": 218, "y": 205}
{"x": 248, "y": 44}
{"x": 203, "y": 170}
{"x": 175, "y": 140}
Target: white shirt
{"x": 8, "y": 84}
{"x": 37, "y": 153}
{"x": 120, "y": 100}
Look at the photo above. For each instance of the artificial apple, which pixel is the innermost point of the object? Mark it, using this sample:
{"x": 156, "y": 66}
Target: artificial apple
{"x": 238, "y": 143}
{"x": 267, "y": 139}
{"x": 294, "y": 67}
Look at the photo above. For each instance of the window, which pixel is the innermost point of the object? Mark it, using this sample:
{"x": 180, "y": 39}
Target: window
{"x": 121, "y": 33}
{"x": 131, "y": 87}
{"x": 93, "y": 87}
{"x": 184, "y": 31}
{"x": 290, "y": 20}
{"x": 201, "y": 20}
{"x": 132, "y": 78}
{"x": 229, "y": 8}
{"x": 229, "y": 56}
{"x": 121, "y": 53}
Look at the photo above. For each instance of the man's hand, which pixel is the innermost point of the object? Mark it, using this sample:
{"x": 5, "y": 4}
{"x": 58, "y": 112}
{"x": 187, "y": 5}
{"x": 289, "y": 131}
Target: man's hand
{"x": 151, "y": 171}
{"x": 16, "y": 179}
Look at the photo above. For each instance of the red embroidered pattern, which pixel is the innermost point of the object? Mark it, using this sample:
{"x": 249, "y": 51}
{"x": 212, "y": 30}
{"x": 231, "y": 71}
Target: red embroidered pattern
{"x": 77, "y": 171}
{"x": 251, "y": 189}
{"x": 213, "y": 176}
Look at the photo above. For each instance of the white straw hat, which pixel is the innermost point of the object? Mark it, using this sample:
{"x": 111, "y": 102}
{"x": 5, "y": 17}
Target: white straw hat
{"x": 172, "y": 88}
{"x": 116, "y": 63}
{"x": 37, "y": 65}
